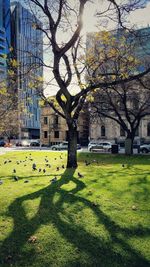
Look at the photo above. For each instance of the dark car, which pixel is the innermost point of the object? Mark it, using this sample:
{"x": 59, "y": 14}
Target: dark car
{"x": 2, "y": 143}
{"x": 35, "y": 143}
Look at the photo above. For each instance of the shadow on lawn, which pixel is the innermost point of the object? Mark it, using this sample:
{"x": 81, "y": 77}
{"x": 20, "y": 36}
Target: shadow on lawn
{"x": 99, "y": 252}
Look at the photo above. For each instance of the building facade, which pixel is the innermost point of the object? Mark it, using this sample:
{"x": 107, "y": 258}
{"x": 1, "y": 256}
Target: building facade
{"x": 107, "y": 129}
{"x": 27, "y": 43}
{"x": 54, "y": 128}
{"x": 4, "y": 35}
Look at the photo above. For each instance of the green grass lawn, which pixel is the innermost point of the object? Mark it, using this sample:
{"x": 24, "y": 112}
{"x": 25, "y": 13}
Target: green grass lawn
{"x": 100, "y": 220}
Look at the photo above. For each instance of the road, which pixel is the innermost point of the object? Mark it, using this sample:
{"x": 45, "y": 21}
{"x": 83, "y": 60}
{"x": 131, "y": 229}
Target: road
{"x": 4, "y": 150}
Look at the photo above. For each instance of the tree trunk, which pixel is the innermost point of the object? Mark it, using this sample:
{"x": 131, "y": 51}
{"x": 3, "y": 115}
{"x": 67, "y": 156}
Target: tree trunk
{"x": 129, "y": 144}
{"x": 72, "y": 146}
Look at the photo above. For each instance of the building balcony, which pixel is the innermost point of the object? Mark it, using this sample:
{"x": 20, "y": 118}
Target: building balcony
{"x": 3, "y": 61}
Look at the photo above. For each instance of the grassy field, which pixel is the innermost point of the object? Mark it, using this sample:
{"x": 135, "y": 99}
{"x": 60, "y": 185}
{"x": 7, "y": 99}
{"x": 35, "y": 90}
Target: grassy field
{"x": 99, "y": 220}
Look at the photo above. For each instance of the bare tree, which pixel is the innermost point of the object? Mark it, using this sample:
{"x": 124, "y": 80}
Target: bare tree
{"x": 62, "y": 24}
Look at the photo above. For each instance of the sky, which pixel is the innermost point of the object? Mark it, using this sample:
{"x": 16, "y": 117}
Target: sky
{"x": 140, "y": 17}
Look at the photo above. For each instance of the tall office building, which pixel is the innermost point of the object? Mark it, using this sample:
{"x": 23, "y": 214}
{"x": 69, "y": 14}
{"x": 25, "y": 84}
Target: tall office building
{"x": 27, "y": 42}
{"x": 4, "y": 35}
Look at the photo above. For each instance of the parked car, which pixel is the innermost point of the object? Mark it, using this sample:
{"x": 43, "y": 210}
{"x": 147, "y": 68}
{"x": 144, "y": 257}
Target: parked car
{"x": 2, "y": 143}
{"x": 63, "y": 146}
{"x": 24, "y": 143}
{"x": 106, "y": 146}
{"x": 93, "y": 143}
{"x": 145, "y": 148}
{"x": 35, "y": 143}
{"x": 8, "y": 145}
{"x": 28, "y": 143}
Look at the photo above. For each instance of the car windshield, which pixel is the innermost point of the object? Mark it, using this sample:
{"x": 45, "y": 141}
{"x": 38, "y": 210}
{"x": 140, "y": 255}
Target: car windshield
{"x": 63, "y": 144}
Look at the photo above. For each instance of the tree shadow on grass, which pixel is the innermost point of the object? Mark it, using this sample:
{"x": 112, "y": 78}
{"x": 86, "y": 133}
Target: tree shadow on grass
{"x": 99, "y": 252}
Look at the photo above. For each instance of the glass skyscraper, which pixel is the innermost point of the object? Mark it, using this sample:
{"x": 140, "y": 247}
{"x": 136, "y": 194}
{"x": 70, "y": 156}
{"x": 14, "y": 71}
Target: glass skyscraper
{"x": 4, "y": 34}
{"x": 27, "y": 42}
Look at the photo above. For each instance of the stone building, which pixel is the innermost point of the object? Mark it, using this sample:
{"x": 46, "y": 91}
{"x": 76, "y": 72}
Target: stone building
{"x": 54, "y": 128}
{"x": 107, "y": 129}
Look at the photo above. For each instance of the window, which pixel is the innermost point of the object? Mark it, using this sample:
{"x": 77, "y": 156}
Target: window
{"x": 122, "y": 131}
{"x": 45, "y": 120}
{"x": 137, "y": 132}
{"x": 45, "y": 134}
{"x": 56, "y": 134}
{"x": 148, "y": 129}
{"x": 103, "y": 131}
{"x": 55, "y": 119}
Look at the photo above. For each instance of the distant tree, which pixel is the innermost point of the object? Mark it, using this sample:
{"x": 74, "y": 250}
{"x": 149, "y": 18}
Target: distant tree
{"x": 8, "y": 102}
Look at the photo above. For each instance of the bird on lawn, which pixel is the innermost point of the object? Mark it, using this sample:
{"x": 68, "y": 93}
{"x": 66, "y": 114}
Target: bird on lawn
{"x": 87, "y": 163}
{"x": 57, "y": 169}
{"x": 123, "y": 165}
{"x": 44, "y": 170}
{"x": 53, "y": 180}
{"x": 26, "y": 181}
{"x": 14, "y": 170}
{"x": 80, "y": 175}
{"x": 94, "y": 204}
{"x": 39, "y": 170}
{"x": 63, "y": 166}
{"x": 16, "y": 178}
{"x": 1, "y": 182}
{"x": 46, "y": 165}
{"x": 34, "y": 167}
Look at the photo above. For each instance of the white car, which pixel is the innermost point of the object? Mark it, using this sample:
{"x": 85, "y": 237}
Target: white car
{"x": 63, "y": 146}
{"x": 96, "y": 147}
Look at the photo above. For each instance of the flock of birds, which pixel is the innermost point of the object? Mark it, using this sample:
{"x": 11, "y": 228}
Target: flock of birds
{"x": 47, "y": 165}
{"x": 34, "y": 167}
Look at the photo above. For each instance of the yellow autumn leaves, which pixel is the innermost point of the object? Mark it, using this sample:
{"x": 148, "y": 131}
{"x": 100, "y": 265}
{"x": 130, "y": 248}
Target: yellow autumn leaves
{"x": 110, "y": 55}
